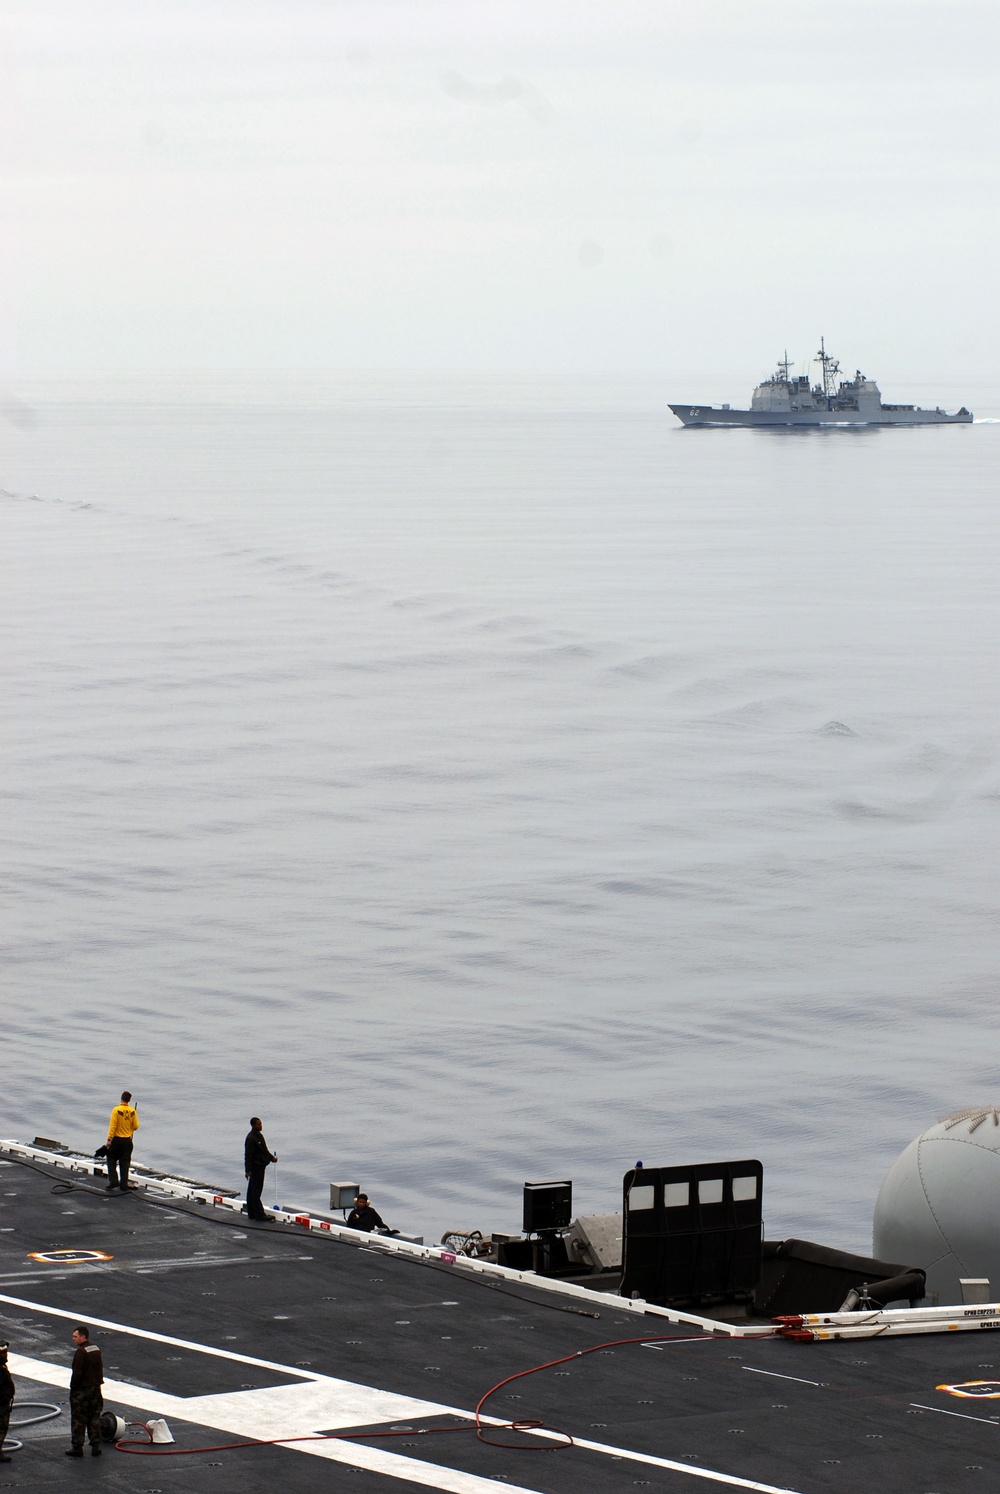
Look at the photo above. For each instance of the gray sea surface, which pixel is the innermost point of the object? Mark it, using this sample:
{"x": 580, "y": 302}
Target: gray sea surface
{"x": 488, "y": 780}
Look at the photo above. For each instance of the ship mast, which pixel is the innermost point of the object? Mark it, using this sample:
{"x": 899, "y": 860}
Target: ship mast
{"x": 784, "y": 365}
{"x": 831, "y": 368}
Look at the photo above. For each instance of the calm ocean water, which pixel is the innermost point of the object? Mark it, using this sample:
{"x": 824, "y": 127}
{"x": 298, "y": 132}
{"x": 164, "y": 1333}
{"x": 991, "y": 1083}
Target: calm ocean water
{"x": 485, "y": 782}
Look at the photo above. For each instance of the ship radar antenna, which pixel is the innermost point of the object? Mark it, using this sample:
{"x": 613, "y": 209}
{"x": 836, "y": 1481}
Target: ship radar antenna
{"x": 784, "y": 365}
{"x": 831, "y": 368}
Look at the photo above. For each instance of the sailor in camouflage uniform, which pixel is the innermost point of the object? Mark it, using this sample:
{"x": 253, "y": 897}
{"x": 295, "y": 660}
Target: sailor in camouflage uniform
{"x": 85, "y": 1399}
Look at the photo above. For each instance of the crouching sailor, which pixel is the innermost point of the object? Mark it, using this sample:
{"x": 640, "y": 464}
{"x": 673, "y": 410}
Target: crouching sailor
{"x": 85, "y": 1399}
{"x": 363, "y": 1216}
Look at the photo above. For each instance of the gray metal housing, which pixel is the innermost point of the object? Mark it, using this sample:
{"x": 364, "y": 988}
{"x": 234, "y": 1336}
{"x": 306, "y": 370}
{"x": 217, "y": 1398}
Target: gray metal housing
{"x": 939, "y": 1206}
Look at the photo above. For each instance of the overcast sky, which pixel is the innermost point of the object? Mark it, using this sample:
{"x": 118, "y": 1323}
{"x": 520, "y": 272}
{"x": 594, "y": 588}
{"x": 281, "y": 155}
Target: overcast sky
{"x": 602, "y": 186}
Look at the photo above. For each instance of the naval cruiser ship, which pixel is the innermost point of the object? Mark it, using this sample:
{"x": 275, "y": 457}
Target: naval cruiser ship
{"x": 782, "y": 400}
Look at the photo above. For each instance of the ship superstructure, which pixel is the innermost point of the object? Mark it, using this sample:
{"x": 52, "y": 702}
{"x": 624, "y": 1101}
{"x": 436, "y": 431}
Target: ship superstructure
{"x": 786, "y": 400}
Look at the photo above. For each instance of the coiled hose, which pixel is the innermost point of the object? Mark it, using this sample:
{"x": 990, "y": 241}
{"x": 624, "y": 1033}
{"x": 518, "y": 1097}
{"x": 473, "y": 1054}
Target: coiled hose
{"x": 48, "y": 1410}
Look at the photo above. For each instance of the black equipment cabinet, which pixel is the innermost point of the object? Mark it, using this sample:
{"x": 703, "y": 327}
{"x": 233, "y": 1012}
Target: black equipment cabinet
{"x": 692, "y": 1234}
{"x": 547, "y": 1206}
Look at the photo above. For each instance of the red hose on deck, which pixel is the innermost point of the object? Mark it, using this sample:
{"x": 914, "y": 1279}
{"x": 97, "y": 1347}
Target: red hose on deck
{"x": 146, "y": 1449}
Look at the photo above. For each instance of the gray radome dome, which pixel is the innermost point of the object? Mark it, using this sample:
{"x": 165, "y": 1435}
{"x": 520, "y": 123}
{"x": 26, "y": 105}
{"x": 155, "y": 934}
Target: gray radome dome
{"x": 939, "y": 1206}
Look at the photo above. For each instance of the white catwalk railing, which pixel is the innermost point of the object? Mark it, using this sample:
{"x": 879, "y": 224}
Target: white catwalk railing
{"x": 801, "y": 1327}
{"x": 161, "y": 1185}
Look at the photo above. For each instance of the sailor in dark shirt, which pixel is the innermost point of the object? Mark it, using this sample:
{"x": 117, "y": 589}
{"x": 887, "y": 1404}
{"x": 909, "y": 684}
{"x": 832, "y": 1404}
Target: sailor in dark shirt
{"x": 257, "y": 1157}
{"x": 363, "y": 1216}
{"x": 7, "y": 1392}
{"x": 85, "y": 1399}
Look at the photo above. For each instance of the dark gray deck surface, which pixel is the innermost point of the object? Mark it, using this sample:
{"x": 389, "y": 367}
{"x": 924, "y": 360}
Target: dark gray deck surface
{"x": 805, "y": 1417}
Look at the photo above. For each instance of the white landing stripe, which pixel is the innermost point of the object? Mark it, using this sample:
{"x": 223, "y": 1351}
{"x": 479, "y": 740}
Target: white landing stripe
{"x": 275, "y": 1411}
{"x": 326, "y": 1403}
{"x": 285, "y": 1411}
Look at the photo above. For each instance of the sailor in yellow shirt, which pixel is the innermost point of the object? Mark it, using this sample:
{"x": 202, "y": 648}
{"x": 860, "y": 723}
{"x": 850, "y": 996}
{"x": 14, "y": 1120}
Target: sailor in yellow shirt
{"x": 121, "y": 1128}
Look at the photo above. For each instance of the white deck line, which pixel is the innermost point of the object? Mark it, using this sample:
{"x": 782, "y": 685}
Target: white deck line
{"x": 316, "y": 1224}
{"x": 752, "y": 1370}
{"x": 710, "y": 1474}
{"x": 81, "y": 1315}
{"x": 962, "y": 1415}
{"x": 318, "y": 1403}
